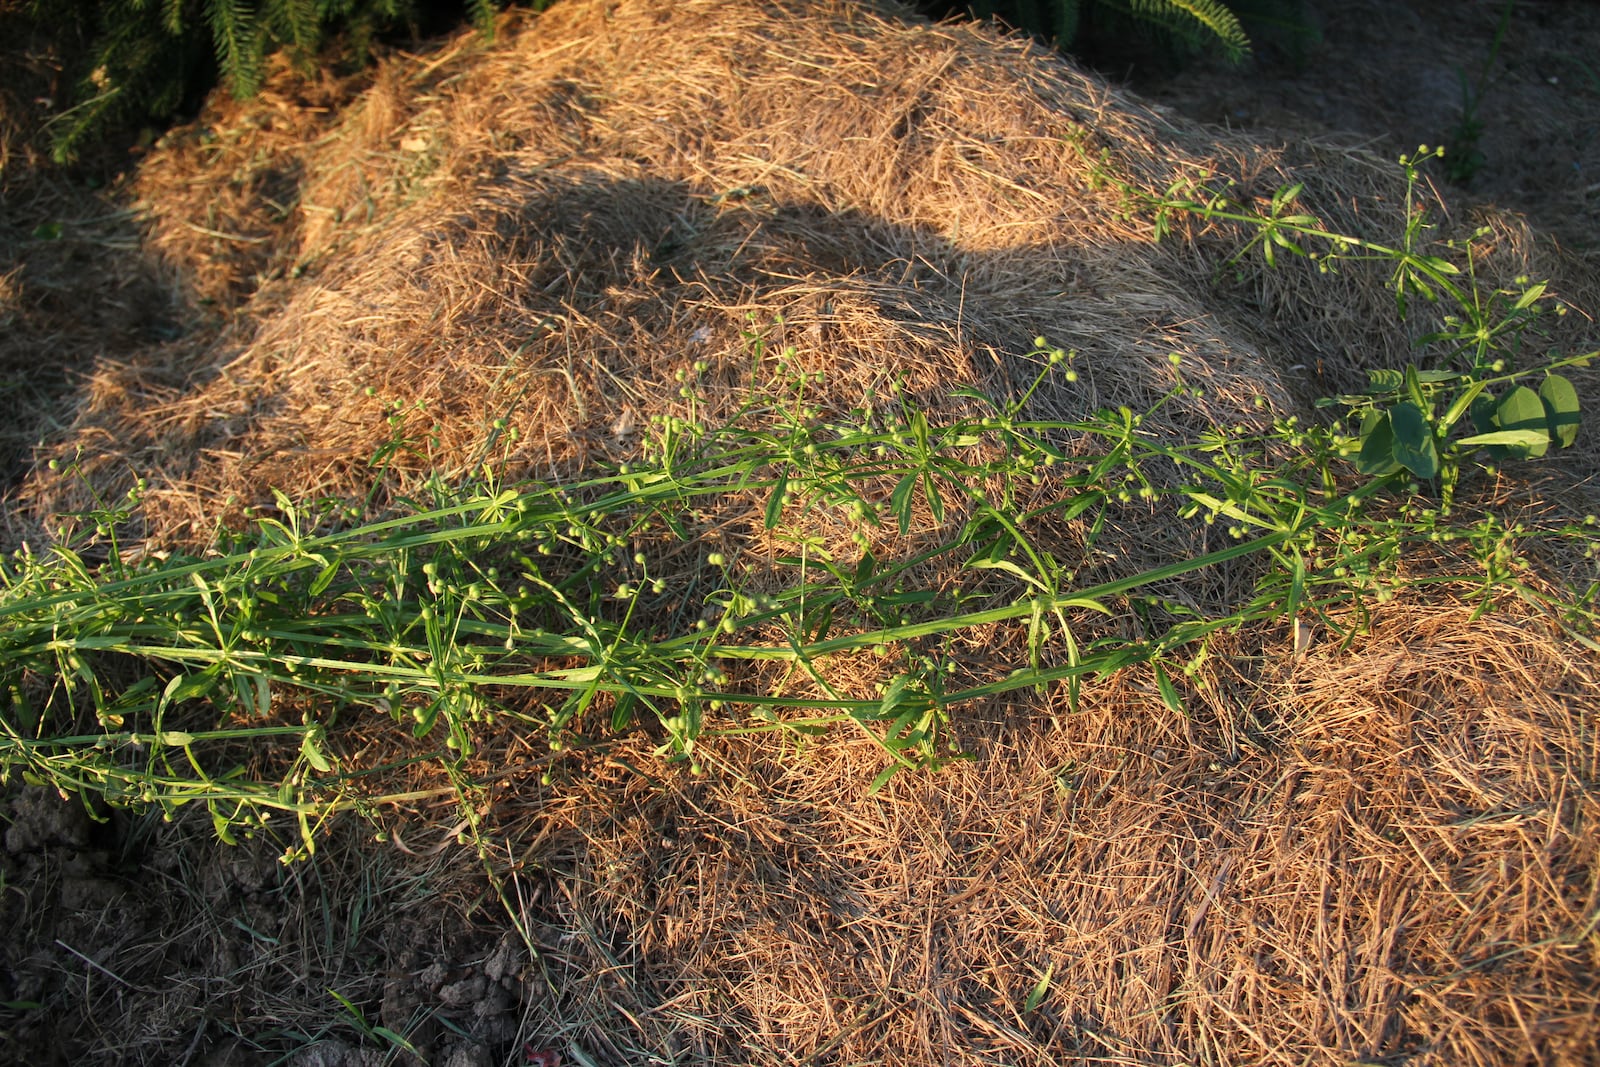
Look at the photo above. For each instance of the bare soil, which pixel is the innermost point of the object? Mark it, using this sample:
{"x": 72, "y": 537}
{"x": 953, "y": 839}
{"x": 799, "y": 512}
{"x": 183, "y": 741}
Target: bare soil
{"x": 1389, "y": 76}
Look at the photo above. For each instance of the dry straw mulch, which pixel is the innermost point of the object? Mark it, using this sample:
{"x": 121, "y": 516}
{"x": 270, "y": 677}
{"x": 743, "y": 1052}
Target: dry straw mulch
{"x": 549, "y": 227}
{"x": 1376, "y": 853}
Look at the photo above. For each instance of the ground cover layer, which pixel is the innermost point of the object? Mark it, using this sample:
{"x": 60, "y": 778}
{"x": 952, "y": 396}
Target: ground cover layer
{"x": 1286, "y": 786}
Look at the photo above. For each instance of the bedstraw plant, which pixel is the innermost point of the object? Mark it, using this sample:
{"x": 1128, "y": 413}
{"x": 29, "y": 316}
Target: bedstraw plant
{"x": 1466, "y": 371}
{"x": 237, "y": 677}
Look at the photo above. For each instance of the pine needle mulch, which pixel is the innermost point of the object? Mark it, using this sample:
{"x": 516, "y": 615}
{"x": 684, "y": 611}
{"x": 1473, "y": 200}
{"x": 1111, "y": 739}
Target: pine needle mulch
{"x": 1375, "y": 852}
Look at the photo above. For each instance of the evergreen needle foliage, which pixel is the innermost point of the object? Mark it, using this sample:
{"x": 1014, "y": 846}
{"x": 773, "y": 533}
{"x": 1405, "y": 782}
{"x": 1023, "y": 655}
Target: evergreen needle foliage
{"x": 1193, "y": 20}
{"x": 132, "y": 60}
{"x": 1193, "y": 24}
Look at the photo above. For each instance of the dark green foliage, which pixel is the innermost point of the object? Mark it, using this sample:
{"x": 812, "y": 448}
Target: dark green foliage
{"x": 1463, "y": 158}
{"x": 1190, "y": 24}
{"x": 1193, "y": 21}
{"x": 136, "y": 60}
{"x": 1416, "y": 435}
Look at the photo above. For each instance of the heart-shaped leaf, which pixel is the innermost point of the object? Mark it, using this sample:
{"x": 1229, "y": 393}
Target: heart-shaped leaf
{"x": 1414, "y": 448}
{"x": 1483, "y": 413}
{"x": 1560, "y": 409}
{"x": 1377, "y": 446}
{"x": 1521, "y": 409}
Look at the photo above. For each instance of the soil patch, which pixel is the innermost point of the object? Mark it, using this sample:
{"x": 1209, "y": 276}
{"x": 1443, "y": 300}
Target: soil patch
{"x": 1391, "y": 76}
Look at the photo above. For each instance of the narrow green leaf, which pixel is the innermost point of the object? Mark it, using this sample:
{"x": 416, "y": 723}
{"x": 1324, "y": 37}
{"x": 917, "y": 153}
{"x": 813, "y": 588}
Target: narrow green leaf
{"x": 1084, "y": 602}
{"x": 394, "y": 1039}
{"x": 1082, "y": 502}
{"x": 1529, "y": 295}
{"x": 254, "y": 693}
{"x": 1414, "y": 391}
{"x": 324, "y": 579}
{"x": 865, "y": 568}
{"x": 1523, "y": 439}
{"x": 1286, "y": 196}
{"x": 1003, "y": 564}
{"x": 903, "y": 732}
{"x": 1297, "y": 587}
{"x": 930, "y": 489}
{"x": 1420, "y": 287}
{"x": 1169, "y": 692}
{"x": 1041, "y": 989}
{"x": 1283, "y": 242}
{"x": 424, "y": 722}
{"x": 894, "y": 696}
{"x": 313, "y": 754}
{"x": 223, "y": 828}
{"x": 622, "y": 713}
{"x": 1036, "y": 633}
{"x": 900, "y": 501}
{"x": 822, "y": 621}
{"x": 355, "y": 1012}
{"x": 775, "y": 501}
{"x": 881, "y": 779}
{"x": 187, "y": 687}
{"x": 972, "y": 393}
{"x": 1441, "y": 266}
{"x": 1464, "y": 402}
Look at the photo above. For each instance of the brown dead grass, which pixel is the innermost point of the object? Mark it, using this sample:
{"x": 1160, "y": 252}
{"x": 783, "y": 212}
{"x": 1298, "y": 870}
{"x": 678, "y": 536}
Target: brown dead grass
{"x": 1371, "y": 854}
{"x": 1380, "y": 853}
{"x": 549, "y": 227}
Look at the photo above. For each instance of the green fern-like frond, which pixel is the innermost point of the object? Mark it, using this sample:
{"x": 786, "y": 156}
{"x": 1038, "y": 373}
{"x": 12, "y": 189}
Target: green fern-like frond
{"x": 1195, "y": 23}
{"x": 1193, "y": 20}
{"x": 238, "y": 42}
{"x": 126, "y": 64}
{"x": 482, "y": 14}
{"x": 130, "y": 61}
{"x": 297, "y": 23}
{"x": 1067, "y": 17}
